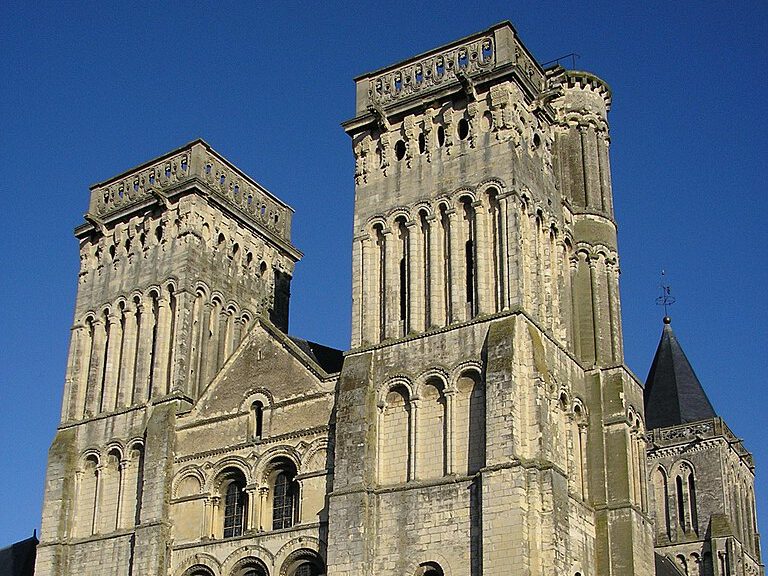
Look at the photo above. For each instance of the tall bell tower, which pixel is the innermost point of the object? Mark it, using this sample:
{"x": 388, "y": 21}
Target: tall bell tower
{"x": 178, "y": 257}
{"x": 484, "y": 405}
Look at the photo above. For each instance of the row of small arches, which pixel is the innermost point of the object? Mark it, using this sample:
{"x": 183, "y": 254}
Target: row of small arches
{"x": 257, "y": 562}
{"x": 108, "y": 491}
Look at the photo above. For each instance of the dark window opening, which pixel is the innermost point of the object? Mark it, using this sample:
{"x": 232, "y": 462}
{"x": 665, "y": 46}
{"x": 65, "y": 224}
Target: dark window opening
{"x": 403, "y": 291}
{"x": 536, "y": 140}
{"x": 258, "y": 418}
{"x": 399, "y": 149}
{"x": 422, "y": 143}
{"x": 284, "y": 501}
{"x": 306, "y": 569}
{"x": 692, "y": 501}
{"x": 440, "y": 136}
{"x": 234, "y": 510}
{"x": 470, "y": 258}
{"x": 680, "y": 503}
{"x": 463, "y": 129}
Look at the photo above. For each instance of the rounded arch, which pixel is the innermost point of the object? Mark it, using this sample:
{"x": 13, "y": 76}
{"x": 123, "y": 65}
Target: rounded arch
{"x": 90, "y": 455}
{"x": 271, "y": 461}
{"x": 579, "y": 410}
{"x": 471, "y": 368}
{"x": 200, "y": 564}
{"x": 397, "y": 213}
{"x": 226, "y": 470}
{"x": 183, "y": 482}
{"x": 423, "y": 208}
{"x": 114, "y": 448}
{"x": 391, "y": 385}
{"x": 435, "y": 374}
{"x": 296, "y": 554}
{"x": 217, "y": 298}
{"x": 462, "y": 194}
{"x": 492, "y": 184}
{"x": 315, "y": 448}
{"x": 435, "y": 561}
{"x": 253, "y": 556}
{"x": 375, "y": 222}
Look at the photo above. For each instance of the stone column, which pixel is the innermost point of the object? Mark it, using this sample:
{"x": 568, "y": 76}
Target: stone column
{"x": 212, "y": 347}
{"x": 162, "y": 349}
{"x": 413, "y": 439}
{"x": 456, "y": 258}
{"x": 575, "y": 315}
{"x": 603, "y": 144}
{"x": 215, "y": 502}
{"x": 507, "y": 258}
{"x": 359, "y": 273}
{"x": 251, "y": 520}
{"x": 205, "y": 530}
{"x": 437, "y": 305}
{"x": 597, "y": 321}
{"x": 122, "y": 466}
{"x": 484, "y": 292}
{"x": 204, "y": 359}
{"x": 96, "y": 368}
{"x": 128, "y": 355}
{"x": 612, "y": 281}
{"x": 144, "y": 353}
{"x": 450, "y": 415}
{"x": 391, "y": 294}
{"x": 221, "y": 338}
{"x": 417, "y": 287}
{"x": 263, "y": 494}
{"x": 74, "y": 385}
{"x": 591, "y": 192}
{"x": 97, "y": 498}
{"x": 112, "y": 368}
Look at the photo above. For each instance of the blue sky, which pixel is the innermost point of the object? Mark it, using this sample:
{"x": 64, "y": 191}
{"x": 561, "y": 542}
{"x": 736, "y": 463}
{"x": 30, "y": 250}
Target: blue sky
{"x": 90, "y": 89}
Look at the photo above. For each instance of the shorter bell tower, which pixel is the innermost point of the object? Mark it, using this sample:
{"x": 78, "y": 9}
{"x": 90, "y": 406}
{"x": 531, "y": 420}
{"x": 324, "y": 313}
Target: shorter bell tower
{"x": 702, "y": 476}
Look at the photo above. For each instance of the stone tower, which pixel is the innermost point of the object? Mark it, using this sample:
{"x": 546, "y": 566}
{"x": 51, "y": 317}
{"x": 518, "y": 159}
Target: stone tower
{"x": 701, "y": 474}
{"x": 178, "y": 258}
{"x": 485, "y": 391}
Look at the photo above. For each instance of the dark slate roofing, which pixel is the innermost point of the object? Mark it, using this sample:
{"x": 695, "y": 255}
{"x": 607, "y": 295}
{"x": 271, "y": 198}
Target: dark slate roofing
{"x": 665, "y": 566}
{"x": 673, "y": 394}
{"x": 19, "y": 559}
{"x": 329, "y": 359}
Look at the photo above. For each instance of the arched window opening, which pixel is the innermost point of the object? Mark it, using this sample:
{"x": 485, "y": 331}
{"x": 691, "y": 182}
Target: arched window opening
{"x": 440, "y": 136}
{"x": 404, "y": 277}
{"x": 469, "y": 257}
{"x": 462, "y": 130}
{"x": 285, "y": 496}
{"x": 250, "y": 567}
{"x": 422, "y": 143}
{"x": 381, "y": 281}
{"x": 446, "y": 233}
{"x": 469, "y": 424}
{"x": 681, "y": 520}
{"x": 199, "y": 570}
{"x": 429, "y": 569}
{"x": 692, "y": 502}
{"x": 661, "y": 498}
{"x": 425, "y": 265}
{"x": 432, "y": 438}
{"x": 257, "y": 419}
{"x": 234, "y": 509}
{"x": 394, "y": 437}
{"x": 303, "y": 562}
{"x": 399, "y": 149}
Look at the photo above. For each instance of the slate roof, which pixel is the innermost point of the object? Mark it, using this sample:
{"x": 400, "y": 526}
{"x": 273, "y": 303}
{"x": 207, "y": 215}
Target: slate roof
{"x": 19, "y": 559}
{"x": 329, "y": 359}
{"x": 665, "y": 566}
{"x": 673, "y": 394}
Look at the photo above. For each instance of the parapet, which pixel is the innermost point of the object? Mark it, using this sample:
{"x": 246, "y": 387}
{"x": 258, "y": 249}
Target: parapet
{"x": 193, "y": 165}
{"x": 478, "y": 57}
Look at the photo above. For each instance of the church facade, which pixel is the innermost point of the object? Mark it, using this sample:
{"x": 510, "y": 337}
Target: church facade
{"x": 483, "y": 420}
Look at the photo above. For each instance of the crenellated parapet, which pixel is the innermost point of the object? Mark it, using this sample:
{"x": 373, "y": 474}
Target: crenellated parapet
{"x": 450, "y": 68}
{"x": 194, "y": 164}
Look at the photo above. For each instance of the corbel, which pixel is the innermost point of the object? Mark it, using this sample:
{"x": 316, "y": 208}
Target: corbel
{"x": 467, "y": 85}
{"x": 379, "y": 115}
{"x": 160, "y": 197}
{"x": 96, "y": 222}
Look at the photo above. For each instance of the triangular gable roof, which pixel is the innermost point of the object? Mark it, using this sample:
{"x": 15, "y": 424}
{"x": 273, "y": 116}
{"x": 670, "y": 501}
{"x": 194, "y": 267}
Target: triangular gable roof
{"x": 19, "y": 559}
{"x": 673, "y": 394}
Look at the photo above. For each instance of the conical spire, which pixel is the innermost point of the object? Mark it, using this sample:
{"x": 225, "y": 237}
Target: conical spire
{"x": 673, "y": 394}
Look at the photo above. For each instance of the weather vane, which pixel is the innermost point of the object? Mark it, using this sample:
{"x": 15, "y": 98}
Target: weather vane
{"x": 666, "y": 299}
